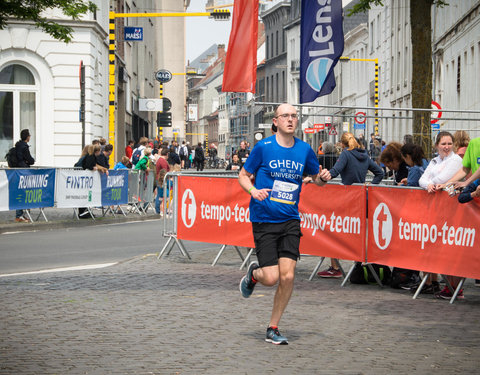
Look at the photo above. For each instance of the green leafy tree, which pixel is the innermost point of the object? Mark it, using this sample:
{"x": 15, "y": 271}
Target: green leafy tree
{"x": 421, "y": 37}
{"x": 31, "y": 10}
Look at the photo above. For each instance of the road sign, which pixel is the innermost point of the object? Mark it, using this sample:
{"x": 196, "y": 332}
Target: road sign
{"x": 359, "y": 126}
{"x": 167, "y": 104}
{"x": 328, "y": 120}
{"x": 435, "y": 116}
{"x": 150, "y": 105}
{"x": 435, "y": 126}
{"x": 163, "y": 76}
{"x": 264, "y": 126}
{"x": 319, "y": 126}
{"x": 360, "y": 117}
{"x": 310, "y": 131}
{"x": 332, "y": 131}
{"x": 133, "y": 34}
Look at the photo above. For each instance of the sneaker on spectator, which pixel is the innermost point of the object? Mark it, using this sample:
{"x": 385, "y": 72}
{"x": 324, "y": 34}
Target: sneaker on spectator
{"x": 447, "y": 294}
{"x": 247, "y": 284}
{"x": 432, "y": 288}
{"x": 21, "y": 219}
{"x": 275, "y": 337}
{"x": 410, "y": 285}
{"x": 331, "y": 272}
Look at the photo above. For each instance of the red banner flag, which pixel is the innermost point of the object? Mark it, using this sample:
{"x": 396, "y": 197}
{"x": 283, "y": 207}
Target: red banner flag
{"x": 240, "y": 72}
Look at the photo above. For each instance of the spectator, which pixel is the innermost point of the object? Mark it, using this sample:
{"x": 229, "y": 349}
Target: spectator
{"x": 129, "y": 149}
{"x": 243, "y": 152}
{"x": 470, "y": 192}
{"x": 414, "y": 157}
{"x": 371, "y": 145}
{"x": 143, "y": 163}
{"x": 407, "y": 138}
{"x": 160, "y": 191}
{"x": 320, "y": 150}
{"x": 102, "y": 158}
{"x": 199, "y": 158}
{"x": 183, "y": 154}
{"x": 375, "y": 151}
{"x": 124, "y": 164}
{"x": 188, "y": 161}
{"x": 103, "y": 143}
{"x": 362, "y": 141}
{"x": 173, "y": 157}
{"x": 461, "y": 139}
{"x": 95, "y": 142}
{"x": 24, "y": 160}
{"x": 138, "y": 152}
{"x": 235, "y": 165}
{"x": 393, "y": 160}
{"x": 329, "y": 157}
{"x": 352, "y": 165}
{"x": 83, "y": 155}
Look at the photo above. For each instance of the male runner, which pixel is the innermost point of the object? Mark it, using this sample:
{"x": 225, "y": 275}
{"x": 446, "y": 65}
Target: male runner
{"x": 278, "y": 163}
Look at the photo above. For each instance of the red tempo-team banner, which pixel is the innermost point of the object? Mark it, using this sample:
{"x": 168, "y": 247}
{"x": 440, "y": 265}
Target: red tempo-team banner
{"x": 412, "y": 229}
{"x": 215, "y": 210}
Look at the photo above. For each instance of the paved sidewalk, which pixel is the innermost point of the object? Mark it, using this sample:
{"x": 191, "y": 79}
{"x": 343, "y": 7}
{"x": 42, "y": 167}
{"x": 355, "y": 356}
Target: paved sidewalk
{"x": 176, "y": 316}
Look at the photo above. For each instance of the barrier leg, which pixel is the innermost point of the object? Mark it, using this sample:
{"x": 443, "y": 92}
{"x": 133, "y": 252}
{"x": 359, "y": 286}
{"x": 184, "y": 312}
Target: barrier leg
{"x": 347, "y": 277}
{"x": 450, "y": 287}
{"x": 42, "y": 212}
{"x": 459, "y": 287}
{"x": 247, "y": 258}
{"x": 340, "y": 267}
{"x": 165, "y": 247}
{"x": 316, "y": 268}
{"x": 75, "y": 214}
{"x": 27, "y": 212}
{"x": 420, "y": 287}
{"x": 375, "y": 276}
{"x": 91, "y": 213}
{"x": 239, "y": 253}
{"x": 182, "y": 248}
{"x": 218, "y": 255}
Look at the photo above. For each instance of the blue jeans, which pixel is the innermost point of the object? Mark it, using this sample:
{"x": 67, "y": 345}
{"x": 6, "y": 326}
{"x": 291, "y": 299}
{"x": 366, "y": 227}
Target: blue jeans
{"x": 18, "y": 213}
{"x": 158, "y": 199}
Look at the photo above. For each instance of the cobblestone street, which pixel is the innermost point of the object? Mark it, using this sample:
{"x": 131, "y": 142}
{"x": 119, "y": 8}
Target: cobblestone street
{"x": 176, "y": 316}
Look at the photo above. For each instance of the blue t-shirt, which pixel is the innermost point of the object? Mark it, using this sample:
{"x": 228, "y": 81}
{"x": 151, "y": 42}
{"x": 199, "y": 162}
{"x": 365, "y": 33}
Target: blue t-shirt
{"x": 280, "y": 169}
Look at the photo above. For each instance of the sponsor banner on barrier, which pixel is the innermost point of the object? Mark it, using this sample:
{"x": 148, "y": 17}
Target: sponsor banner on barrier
{"x": 215, "y": 210}
{"x": 3, "y": 191}
{"x": 114, "y": 187}
{"x": 76, "y": 188}
{"x": 428, "y": 232}
{"x": 30, "y": 188}
{"x": 333, "y": 221}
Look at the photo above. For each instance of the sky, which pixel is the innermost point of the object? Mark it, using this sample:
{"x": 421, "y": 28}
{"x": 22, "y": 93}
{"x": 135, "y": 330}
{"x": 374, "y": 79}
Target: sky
{"x": 202, "y": 32}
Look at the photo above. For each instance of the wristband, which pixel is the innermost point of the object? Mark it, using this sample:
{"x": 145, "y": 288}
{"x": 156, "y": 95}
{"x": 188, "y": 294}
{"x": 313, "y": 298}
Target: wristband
{"x": 250, "y": 190}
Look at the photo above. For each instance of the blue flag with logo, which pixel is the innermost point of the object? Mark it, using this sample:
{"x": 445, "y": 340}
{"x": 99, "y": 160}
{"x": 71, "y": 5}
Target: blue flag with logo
{"x": 321, "y": 39}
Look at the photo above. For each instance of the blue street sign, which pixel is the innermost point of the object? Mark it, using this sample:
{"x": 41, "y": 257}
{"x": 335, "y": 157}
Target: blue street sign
{"x": 133, "y": 33}
{"x": 435, "y": 126}
{"x": 358, "y": 126}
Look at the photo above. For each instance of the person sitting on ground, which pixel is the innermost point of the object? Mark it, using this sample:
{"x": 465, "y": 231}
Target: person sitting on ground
{"x": 124, "y": 164}
{"x": 414, "y": 157}
{"x": 393, "y": 160}
{"x": 353, "y": 166}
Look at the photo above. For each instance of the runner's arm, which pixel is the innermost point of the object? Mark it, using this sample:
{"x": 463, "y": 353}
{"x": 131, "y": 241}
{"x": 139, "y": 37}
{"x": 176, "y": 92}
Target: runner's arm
{"x": 244, "y": 179}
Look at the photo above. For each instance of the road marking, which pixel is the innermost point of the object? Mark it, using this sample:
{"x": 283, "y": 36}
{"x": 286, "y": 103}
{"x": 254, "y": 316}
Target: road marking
{"x": 63, "y": 269}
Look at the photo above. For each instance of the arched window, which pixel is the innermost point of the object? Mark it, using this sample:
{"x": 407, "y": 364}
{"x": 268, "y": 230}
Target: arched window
{"x": 18, "y": 90}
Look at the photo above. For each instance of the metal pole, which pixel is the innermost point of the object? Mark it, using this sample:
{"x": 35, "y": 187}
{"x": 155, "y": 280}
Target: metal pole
{"x": 111, "y": 84}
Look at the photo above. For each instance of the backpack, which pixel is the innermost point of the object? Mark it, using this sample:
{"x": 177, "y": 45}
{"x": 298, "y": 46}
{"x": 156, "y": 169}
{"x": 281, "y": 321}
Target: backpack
{"x": 11, "y": 157}
{"x": 403, "y": 276}
{"x": 136, "y": 156}
{"x": 183, "y": 151}
{"x": 362, "y": 275}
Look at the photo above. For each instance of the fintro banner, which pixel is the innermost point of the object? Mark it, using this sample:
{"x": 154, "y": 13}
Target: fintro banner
{"x": 321, "y": 45}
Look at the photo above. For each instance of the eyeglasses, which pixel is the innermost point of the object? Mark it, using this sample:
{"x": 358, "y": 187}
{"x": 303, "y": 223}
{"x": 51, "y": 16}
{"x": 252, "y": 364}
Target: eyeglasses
{"x": 294, "y": 116}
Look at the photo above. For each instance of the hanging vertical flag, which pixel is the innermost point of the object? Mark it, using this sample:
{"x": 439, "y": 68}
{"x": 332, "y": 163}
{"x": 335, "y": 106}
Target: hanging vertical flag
{"x": 240, "y": 72}
{"x": 321, "y": 40}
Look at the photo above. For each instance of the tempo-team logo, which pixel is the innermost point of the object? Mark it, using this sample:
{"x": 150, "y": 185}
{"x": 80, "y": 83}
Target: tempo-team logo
{"x": 189, "y": 208}
{"x": 382, "y": 226}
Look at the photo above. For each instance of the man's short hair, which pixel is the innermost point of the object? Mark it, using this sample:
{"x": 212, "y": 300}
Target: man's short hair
{"x": 164, "y": 151}
{"x": 24, "y": 134}
{"x": 108, "y": 148}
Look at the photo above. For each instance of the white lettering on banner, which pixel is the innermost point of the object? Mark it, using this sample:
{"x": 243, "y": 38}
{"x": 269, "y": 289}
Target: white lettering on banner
{"x": 115, "y": 181}
{"x": 189, "y": 208}
{"x": 33, "y": 181}
{"x": 79, "y": 182}
{"x": 430, "y": 233}
{"x": 339, "y": 224}
{"x": 222, "y": 213}
{"x": 323, "y": 33}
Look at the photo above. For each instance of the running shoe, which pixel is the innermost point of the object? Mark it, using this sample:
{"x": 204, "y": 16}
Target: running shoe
{"x": 331, "y": 272}
{"x": 21, "y": 219}
{"x": 247, "y": 284}
{"x": 275, "y": 337}
{"x": 432, "y": 288}
{"x": 447, "y": 294}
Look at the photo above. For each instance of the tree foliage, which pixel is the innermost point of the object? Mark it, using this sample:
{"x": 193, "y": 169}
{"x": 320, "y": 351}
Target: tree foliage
{"x": 31, "y": 10}
{"x": 421, "y": 37}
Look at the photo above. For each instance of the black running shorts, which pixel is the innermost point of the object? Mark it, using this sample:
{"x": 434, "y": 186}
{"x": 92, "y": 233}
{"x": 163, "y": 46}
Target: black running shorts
{"x": 276, "y": 240}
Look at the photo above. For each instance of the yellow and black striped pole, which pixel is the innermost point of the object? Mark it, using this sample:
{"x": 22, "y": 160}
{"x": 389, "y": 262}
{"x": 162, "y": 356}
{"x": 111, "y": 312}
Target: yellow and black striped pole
{"x": 111, "y": 84}
{"x": 376, "y": 96}
{"x": 160, "y": 129}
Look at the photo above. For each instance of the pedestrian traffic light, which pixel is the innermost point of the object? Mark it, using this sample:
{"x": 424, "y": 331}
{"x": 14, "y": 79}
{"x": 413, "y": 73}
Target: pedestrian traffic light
{"x": 164, "y": 119}
{"x": 220, "y": 14}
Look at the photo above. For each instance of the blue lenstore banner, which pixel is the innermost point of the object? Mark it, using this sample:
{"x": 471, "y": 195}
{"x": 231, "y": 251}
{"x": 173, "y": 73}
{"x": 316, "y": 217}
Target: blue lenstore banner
{"x": 133, "y": 33}
{"x": 321, "y": 39}
{"x": 114, "y": 187}
{"x": 30, "y": 188}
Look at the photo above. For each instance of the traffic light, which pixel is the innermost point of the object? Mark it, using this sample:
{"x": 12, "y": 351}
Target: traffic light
{"x": 164, "y": 119}
{"x": 220, "y": 15}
